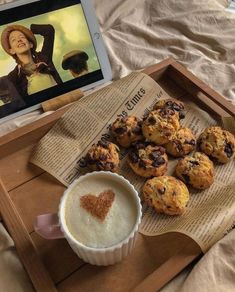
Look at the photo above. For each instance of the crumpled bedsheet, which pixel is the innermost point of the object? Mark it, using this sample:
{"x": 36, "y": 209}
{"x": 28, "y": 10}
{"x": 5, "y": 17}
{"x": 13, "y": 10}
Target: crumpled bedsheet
{"x": 201, "y": 35}
{"x": 198, "y": 33}
{"x": 215, "y": 272}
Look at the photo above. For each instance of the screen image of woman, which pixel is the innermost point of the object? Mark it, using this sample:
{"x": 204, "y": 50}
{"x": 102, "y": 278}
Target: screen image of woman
{"x": 44, "y": 56}
{"x": 34, "y": 70}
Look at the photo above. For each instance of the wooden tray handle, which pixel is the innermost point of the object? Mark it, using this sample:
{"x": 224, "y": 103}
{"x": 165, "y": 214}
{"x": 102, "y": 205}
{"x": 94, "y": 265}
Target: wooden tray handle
{"x": 205, "y": 91}
{"x": 168, "y": 270}
{"x": 24, "y": 244}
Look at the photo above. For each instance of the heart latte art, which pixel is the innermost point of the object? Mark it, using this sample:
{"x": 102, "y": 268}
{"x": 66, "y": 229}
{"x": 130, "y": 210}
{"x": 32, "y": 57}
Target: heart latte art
{"x": 100, "y": 212}
{"x": 98, "y": 206}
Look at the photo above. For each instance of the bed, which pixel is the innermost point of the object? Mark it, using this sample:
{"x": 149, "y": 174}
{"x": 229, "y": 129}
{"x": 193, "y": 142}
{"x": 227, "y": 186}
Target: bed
{"x": 138, "y": 33}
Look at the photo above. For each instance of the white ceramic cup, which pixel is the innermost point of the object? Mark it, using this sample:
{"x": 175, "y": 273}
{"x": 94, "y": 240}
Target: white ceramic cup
{"x": 51, "y": 226}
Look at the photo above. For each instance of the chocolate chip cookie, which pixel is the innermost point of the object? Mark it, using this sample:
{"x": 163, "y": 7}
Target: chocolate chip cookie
{"x": 127, "y": 130}
{"x": 102, "y": 156}
{"x": 172, "y": 104}
{"x": 160, "y": 125}
{"x": 196, "y": 170}
{"x": 219, "y": 144}
{"x": 182, "y": 143}
{"x": 166, "y": 194}
{"x": 147, "y": 159}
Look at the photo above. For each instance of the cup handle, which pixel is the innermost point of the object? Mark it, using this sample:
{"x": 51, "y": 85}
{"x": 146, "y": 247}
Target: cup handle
{"x": 48, "y": 227}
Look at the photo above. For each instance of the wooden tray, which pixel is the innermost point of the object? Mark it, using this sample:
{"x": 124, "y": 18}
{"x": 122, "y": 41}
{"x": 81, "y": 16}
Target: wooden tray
{"x": 26, "y": 191}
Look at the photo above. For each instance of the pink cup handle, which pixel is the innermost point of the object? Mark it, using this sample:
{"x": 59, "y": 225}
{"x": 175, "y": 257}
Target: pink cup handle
{"x": 48, "y": 227}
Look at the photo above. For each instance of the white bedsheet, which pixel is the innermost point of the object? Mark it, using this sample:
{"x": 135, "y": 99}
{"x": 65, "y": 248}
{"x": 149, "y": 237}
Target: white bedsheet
{"x": 198, "y": 33}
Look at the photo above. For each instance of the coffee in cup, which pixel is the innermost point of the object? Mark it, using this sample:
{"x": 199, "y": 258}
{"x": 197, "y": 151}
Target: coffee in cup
{"x": 99, "y": 215}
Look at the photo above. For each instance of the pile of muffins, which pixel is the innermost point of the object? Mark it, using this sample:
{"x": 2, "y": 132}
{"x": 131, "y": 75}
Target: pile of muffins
{"x": 150, "y": 141}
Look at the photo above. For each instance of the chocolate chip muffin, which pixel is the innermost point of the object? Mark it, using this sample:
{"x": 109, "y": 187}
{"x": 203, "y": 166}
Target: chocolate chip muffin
{"x": 196, "y": 170}
{"x": 147, "y": 159}
{"x": 182, "y": 143}
{"x": 160, "y": 125}
{"x": 219, "y": 144}
{"x": 166, "y": 194}
{"x": 127, "y": 130}
{"x": 172, "y": 104}
{"x": 102, "y": 156}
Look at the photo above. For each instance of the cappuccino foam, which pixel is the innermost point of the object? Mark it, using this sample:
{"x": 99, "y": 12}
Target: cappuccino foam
{"x": 88, "y": 229}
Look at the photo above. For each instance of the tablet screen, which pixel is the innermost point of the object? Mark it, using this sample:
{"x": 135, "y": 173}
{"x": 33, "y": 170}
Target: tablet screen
{"x": 46, "y": 50}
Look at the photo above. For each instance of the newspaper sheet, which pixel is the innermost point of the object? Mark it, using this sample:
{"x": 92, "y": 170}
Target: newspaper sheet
{"x": 210, "y": 213}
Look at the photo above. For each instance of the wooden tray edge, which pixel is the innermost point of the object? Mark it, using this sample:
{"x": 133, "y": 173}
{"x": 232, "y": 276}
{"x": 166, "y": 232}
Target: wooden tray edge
{"x": 10, "y": 220}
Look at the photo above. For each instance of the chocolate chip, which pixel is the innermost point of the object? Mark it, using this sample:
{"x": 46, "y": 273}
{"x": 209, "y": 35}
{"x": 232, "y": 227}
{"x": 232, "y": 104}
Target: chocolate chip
{"x": 139, "y": 145}
{"x": 186, "y": 178}
{"x": 155, "y": 163}
{"x": 161, "y": 150}
{"x": 137, "y": 130}
{"x": 182, "y": 114}
{"x": 161, "y": 191}
{"x": 103, "y": 157}
{"x": 99, "y": 165}
{"x": 129, "y": 133}
{"x": 190, "y": 142}
{"x": 109, "y": 166}
{"x": 133, "y": 157}
{"x": 178, "y": 145}
{"x": 228, "y": 150}
{"x": 159, "y": 161}
{"x": 165, "y": 112}
{"x": 120, "y": 130}
{"x": 142, "y": 164}
{"x": 168, "y": 134}
{"x": 124, "y": 119}
{"x": 179, "y": 149}
{"x": 194, "y": 162}
{"x": 214, "y": 159}
{"x": 173, "y": 106}
{"x": 169, "y": 103}
{"x": 89, "y": 158}
{"x": 82, "y": 162}
{"x": 152, "y": 120}
{"x": 154, "y": 155}
{"x": 103, "y": 143}
{"x": 145, "y": 117}
{"x": 176, "y": 107}
{"x": 199, "y": 143}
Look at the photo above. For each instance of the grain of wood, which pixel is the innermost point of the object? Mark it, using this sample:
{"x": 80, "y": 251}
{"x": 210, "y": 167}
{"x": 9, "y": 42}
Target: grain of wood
{"x": 41, "y": 194}
{"x": 24, "y": 245}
